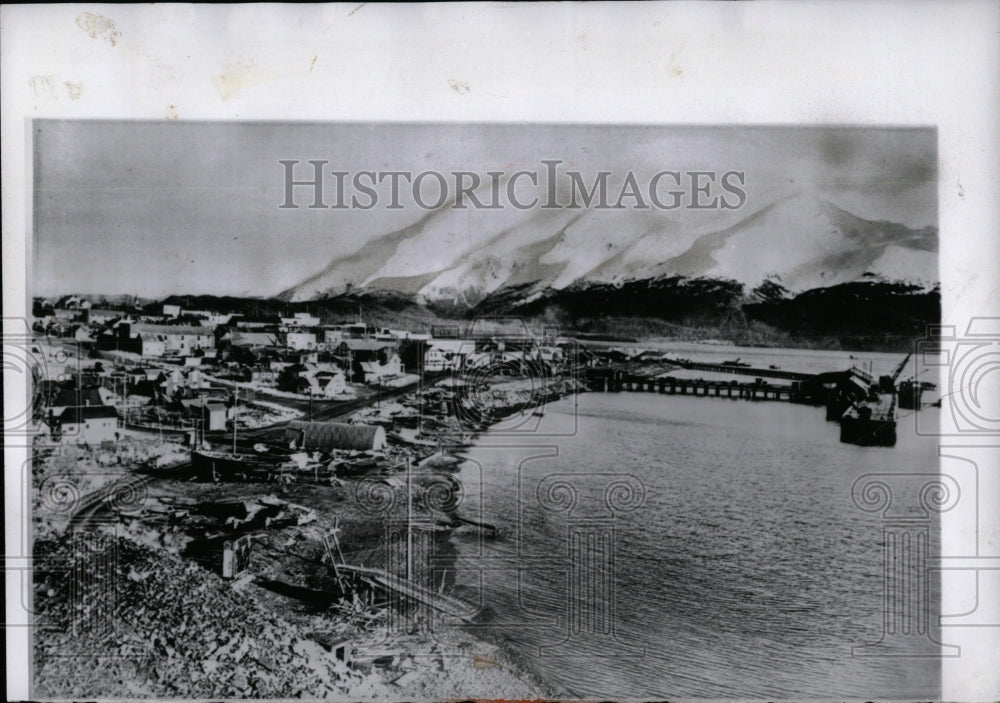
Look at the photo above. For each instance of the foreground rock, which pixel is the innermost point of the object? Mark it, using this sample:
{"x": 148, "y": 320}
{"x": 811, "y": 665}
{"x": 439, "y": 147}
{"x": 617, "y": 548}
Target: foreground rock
{"x": 153, "y": 625}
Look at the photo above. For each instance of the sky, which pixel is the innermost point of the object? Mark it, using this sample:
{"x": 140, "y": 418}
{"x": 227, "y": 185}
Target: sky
{"x": 159, "y": 208}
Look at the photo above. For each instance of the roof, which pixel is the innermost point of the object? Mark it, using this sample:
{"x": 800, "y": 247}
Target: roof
{"x": 147, "y": 328}
{"x": 78, "y": 414}
{"x": 452, "y": 345}
{"x": 367, "y": 345}
{"x": 68, "y": 397}
{"x": 202, "y": 402}
{"x": 254, "y": 339}
{"x": 326, "y": 436}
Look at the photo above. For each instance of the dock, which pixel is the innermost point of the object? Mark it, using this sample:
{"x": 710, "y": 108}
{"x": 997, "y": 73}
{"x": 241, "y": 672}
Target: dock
{"x": 807, "y": 388}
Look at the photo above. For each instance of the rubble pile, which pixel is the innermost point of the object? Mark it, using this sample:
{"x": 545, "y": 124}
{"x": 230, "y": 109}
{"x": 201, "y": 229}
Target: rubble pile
{"x": 175, "y": 630}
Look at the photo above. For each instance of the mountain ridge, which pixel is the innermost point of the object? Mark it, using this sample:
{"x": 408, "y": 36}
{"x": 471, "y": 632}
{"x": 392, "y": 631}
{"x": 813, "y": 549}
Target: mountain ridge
{"x": 799, "y": 240}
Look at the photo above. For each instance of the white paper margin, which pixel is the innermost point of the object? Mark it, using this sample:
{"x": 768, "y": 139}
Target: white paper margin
{"x": 842, "y": 63}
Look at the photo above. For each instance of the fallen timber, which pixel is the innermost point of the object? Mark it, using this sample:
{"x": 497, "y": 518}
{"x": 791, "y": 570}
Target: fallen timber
{"x": 380, "y": 578}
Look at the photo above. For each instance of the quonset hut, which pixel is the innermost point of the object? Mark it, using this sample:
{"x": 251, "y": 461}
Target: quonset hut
{"x": 327, "y": 436}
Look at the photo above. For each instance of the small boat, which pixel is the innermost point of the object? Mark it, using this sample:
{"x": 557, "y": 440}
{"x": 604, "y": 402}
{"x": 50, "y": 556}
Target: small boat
{"x": 224, "y": 464}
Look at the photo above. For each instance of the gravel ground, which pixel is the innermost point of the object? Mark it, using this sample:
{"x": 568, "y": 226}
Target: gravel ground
{"x": 174, "y": 630}
{"x": 125, "y": 610}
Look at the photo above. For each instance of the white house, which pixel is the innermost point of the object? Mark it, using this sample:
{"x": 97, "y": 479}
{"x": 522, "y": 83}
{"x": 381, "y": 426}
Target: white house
{"x": 211, "y": 412}
{"x": 301, "y": 340}
{"x": 327, "y": 383}
{"x": 374, "y": 371}
{"x": 175, "y": 339}
{"x": 90, "y": 424}
{"x": 300, "y": 319}
{"x": 447, "y": 354}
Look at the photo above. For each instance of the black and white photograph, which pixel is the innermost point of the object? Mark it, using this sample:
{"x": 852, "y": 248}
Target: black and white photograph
{"x": 495, "y": 407}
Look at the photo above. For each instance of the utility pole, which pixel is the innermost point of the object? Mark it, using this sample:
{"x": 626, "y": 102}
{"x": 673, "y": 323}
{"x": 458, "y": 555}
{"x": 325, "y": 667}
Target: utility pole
{"x": 409, "y": 521}
{"x": 236, "y": 414}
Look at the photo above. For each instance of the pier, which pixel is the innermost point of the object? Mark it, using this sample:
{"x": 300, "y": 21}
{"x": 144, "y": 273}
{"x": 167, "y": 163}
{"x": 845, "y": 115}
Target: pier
{"x": 812, "y": 389}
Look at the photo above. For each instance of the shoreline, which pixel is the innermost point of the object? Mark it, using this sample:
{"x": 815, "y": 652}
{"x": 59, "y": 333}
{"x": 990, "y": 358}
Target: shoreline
{"x": 487, "y": 668}
{"x": 291, "y": 574}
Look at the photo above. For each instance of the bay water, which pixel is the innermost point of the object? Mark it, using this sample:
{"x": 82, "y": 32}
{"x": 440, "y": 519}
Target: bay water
{"x": 747, "y": 570}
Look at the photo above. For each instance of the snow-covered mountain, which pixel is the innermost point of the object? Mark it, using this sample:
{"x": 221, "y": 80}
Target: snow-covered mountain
{"x": 801, "y": 242}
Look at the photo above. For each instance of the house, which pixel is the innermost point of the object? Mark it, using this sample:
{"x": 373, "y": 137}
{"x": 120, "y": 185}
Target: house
{"x": 435, "y": 359}
{"x": 266, "y": 323}
{"x": 332, "y": 336}
{"x": 324, "y": 380}
{"x": 211, "y": 412}
{"x": 97, "y": 316}
{"x": 329, "y": 436}
{"x": 191, "y": 378}
{"x": 300, "y": 319}
{"x": 447, "y": 354}
{"x": 264, "y": 376}
{"x": 330, "y": 384}
{"x": 357, "y": 330}
{"x": 160, "y": 340}
{"x": 377, "y": 370}
{"x": 365, "y": 349}
{"x": 156, "y": 340}
{"x": 89, "y": 424}
{"x": 253, "y": 340}
{"x": 171, "y": 310}
{"x": 301, "y": 340}
{"x": 60, "y": 398}
{"x": 354, "y": 352}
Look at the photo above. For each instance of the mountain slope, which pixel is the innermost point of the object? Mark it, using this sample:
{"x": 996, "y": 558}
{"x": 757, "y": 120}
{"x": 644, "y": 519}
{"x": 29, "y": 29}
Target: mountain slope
{"x": 463, "y": 257}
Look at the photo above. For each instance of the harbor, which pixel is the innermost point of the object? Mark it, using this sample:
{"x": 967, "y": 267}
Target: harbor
{"x": 352, "y": 518}
{"x": 864, "y": 407}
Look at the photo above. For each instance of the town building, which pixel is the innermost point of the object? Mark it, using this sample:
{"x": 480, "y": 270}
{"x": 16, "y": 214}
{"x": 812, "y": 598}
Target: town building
{"x": 163, "y": 340}
{"x": 447, "y": 354}
{"x": 329, "y": 436}
{"x": 300, "y": 340}
{"x": 97, "y": 316}
{"x": 378, "y": 370}
{"x": 88, "y": 424}
{"x": 300, "y": 319}
{"x": 211, "y": 413}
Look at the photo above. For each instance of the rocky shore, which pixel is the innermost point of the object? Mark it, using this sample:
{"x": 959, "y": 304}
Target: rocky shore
{"x": 146, "y": 611}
